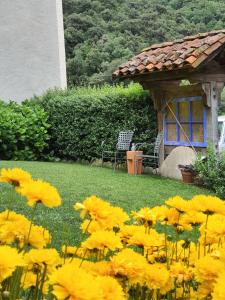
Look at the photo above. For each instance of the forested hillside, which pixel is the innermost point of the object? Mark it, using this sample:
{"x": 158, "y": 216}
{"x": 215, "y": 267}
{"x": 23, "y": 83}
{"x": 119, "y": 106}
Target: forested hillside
{"x": 101, "y": 34}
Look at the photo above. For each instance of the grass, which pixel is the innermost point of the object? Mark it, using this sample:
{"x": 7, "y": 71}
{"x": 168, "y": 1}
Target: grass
{"x": 75, "y": 182}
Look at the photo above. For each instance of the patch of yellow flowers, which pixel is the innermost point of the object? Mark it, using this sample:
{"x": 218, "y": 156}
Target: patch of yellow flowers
{"x": 144, "y": 256}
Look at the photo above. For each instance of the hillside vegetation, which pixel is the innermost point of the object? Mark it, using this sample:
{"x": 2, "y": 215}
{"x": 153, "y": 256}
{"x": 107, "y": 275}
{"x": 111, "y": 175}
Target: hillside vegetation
{"x": 101, "y": 34}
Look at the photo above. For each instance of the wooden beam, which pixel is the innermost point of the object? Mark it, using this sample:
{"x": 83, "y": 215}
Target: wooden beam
{"x": 215, "y": 93}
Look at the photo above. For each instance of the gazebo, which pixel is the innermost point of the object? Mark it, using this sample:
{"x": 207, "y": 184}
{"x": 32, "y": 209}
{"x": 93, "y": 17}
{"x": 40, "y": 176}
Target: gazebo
{"x": 185, "y": 78}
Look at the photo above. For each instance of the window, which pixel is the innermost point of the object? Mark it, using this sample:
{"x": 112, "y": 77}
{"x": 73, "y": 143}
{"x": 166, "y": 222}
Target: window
{"x": 191, "y": 126}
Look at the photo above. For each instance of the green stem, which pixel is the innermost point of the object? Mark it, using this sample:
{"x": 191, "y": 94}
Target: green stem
{"x": 31, "y": 222}
{"x": 206, "y": 223}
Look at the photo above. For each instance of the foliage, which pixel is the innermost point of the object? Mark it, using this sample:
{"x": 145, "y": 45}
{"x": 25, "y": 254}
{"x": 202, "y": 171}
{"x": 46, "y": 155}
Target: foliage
{"x": 82, "y": 118}
{"x": 102, "y": 34}
{"x": 115, "y": 260}
{"x": 211, "y": 171}
{"x": 23, "y": 131}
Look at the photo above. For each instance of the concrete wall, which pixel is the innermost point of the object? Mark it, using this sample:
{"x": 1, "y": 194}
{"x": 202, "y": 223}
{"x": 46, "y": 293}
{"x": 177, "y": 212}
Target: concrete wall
{"x": 32, "y": 51}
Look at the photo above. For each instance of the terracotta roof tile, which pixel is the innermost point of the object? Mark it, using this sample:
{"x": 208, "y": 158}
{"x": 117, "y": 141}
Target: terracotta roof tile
{"x": 188, "y": 52}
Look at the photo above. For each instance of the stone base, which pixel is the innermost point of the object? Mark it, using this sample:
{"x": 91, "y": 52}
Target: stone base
{"x": 178, "y": 156}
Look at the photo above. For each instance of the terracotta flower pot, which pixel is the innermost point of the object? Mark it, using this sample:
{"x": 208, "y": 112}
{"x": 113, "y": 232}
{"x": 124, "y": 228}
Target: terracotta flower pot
{"x": 188, "y": 176}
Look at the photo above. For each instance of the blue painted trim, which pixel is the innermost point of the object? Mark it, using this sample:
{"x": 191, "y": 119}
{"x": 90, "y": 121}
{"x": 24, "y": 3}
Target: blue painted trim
{"x": 190, "y": 122}
{"x": 178, "y": 118}
{"x": 188, "y": 99}
{"x": 196, "y": 144}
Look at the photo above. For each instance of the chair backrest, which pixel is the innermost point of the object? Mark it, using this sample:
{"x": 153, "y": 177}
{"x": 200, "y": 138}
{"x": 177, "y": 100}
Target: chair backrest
{"x": 158, "y": 143}
{"x": 124, "y": 140}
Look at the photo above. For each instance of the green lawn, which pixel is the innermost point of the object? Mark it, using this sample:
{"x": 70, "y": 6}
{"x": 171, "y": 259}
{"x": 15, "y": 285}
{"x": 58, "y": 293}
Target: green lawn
{"x": 75, "y": 182}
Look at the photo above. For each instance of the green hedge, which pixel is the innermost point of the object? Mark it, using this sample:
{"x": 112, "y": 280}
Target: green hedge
{"x": 81, "y": 118}
{"x": 23, "y": 131}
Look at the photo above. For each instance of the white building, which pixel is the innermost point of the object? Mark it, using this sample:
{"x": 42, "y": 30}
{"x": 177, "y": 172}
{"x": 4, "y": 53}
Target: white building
{"x": 32, "y": 50}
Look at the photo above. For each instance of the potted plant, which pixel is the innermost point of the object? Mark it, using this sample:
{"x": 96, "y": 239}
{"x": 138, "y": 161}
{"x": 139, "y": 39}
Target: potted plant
{"x": 187, "y": 172}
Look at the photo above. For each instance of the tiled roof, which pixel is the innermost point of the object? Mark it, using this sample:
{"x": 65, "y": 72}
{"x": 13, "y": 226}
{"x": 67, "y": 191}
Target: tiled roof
{"x": 189, "y": 52}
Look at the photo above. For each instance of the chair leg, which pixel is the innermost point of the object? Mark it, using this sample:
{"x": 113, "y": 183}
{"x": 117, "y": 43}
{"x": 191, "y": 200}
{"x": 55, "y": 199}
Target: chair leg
{"x": 102, "y": 159}
{"x": 115, "y": 161}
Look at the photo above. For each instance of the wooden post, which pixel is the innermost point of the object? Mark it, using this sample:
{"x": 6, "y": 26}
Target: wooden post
{"x": 215, "y": 95}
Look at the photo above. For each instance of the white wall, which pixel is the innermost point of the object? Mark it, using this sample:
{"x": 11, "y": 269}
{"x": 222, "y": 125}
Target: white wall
{"x": 32, "y": 51}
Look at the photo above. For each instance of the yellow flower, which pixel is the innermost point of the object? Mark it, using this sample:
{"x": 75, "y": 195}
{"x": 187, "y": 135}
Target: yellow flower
{"x": 112, "y": 290}
{"x": 69, "y": 250}
{"x": 158, "y": 277}
{"x": 172, "y": 216}
{"x": 38, "y": 258}
{"x": 145, "y": 216}
{"x": 207, "y": 272}
{"x": 90, "y": 226}
{"x": 102, "y": 268}
{"x": 179, "y": 203}
{"x": 94, "y": 207}
{"x": 127, "y": 231}
{"x": 207, "y": 204}
{"x": 102, "y": 213}
{"x": 14, "y": 176}
{"x": 29, "y": 280}
{"x": 17, "y": 229}
{"x": 159, "y": 212}
{"x": 193, "y": 218}
{"x": 38, "y": 191}
{"x": 152, "y": 239}
{"x": 215, "y": 231}
{"x": 219, "y": 289}
{"x": 39, "y": 237}
{"x": 129, "y": 264}
{"x": 74, "y": 283}
{"x": 181, "y": 272}
{"x": 9, "y": 260}
{"x": 208, "y": 268}
{"x": 11, "y": 216}
{"x": 102, "y": 240}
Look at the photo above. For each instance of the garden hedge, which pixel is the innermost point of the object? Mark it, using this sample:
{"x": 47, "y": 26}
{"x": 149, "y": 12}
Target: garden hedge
{"x": 81, "y": 118}
{"x": 23, "y": 131}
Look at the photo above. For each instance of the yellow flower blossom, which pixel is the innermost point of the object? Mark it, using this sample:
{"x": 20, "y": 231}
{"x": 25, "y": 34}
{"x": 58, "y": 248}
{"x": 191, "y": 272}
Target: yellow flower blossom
{"x": 158, "y": 277}
{"x": 147, "y": 240}
{"x": 29, "y": 280}
{"x": 17, "y": 229}
{"x": 129, "y": 264}
{"x": 14, "y": 176}
{"x": 102, "y": 240}
{"x": 38, "y": 258}
{"x": 219, "y": 289}
{"x": 102, "y": 213}
{"x": 91, "y": 226}
{"x": 215, "y": 231}
{"x": 127, "y": 231}
{"x": 9, "y": 260}
{"x": 207, "y": 204}
{"x": 112, "y": 290}
{"x": 102, "y": 268}
{"x": 38, "y": 191}
{"x": 94, "y": 207}
{"x": 181, "y": 272}
{"x": 74, "y": 283}
{"x": 145, "y": 216}
{"x": 179, "y": 203}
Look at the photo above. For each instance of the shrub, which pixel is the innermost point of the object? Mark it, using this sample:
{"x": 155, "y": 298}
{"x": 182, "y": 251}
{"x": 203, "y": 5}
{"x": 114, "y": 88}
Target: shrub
{"x": 81, "y": 118}
{"x": 23, "y": 131}
{"x": 211, "y": 171}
